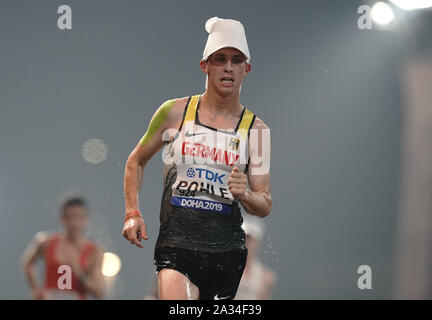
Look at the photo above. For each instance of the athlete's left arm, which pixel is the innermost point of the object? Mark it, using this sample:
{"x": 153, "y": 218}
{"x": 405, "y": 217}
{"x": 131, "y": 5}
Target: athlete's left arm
{"x": 256, "y": 200}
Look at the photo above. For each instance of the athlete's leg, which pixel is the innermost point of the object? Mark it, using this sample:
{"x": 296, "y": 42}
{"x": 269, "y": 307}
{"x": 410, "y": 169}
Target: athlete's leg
{"x": 226, "y": 269}
{"x": 174, "y": 285}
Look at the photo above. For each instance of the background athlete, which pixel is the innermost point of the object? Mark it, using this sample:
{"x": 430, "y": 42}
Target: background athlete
{"x": 258, "y": 280}
{"x": 69, "y": 247}
{"x": 210, "y": 159}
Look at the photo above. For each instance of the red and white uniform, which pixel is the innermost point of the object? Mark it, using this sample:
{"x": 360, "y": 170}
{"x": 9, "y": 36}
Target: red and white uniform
{"x": 52, "y": 275}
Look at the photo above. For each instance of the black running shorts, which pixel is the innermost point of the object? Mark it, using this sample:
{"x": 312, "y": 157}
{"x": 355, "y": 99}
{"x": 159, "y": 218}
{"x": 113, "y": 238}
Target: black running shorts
{"x": 216, "y": 274}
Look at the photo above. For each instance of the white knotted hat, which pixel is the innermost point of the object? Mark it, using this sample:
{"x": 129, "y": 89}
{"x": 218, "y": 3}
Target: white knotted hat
{"x": 225, "y": 33}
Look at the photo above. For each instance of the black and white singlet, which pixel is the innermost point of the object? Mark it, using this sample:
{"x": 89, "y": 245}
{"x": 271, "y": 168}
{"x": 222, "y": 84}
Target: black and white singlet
{"x": 198, "y": 211}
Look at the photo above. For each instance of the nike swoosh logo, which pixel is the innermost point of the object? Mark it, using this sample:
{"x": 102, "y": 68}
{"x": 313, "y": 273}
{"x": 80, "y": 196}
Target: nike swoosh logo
{"x": 188, "y": 134}
{"x": 220, "y": 298}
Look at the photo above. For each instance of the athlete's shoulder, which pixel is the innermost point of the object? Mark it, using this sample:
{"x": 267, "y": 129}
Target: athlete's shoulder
{"x": 42, "y": 238}
{"x": 175, "y": 102}
{"x": 180, "y": 104}
{"x": 259, "y": 123}
{"x": 173, "y": 111}
{"x": 172, "y": 108}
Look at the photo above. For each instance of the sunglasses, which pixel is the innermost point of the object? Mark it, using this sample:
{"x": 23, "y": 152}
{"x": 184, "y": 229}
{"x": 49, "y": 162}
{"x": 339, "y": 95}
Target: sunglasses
{"x": 220, "y": 59}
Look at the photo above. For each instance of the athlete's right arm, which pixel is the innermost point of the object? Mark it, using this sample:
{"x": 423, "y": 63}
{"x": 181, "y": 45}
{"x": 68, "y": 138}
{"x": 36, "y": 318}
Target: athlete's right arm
{"x": 167, "y": 116}
{"x": 34, "y": 250}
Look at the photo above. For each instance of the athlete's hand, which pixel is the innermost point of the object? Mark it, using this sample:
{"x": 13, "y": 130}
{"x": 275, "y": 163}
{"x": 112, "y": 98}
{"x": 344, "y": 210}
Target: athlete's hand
{"x": 134, "y": 230}
{"x": 237, "y": 184}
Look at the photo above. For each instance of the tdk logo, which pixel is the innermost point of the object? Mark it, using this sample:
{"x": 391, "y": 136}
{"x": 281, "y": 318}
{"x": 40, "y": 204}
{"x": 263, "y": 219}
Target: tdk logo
{"x": 207, "y": 174}
{"x": 190, "y": 173}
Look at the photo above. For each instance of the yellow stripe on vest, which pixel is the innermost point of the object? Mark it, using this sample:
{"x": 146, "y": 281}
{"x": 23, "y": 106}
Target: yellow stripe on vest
{"x": 190, "y": 113}
{"x": 245, "y": 123}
